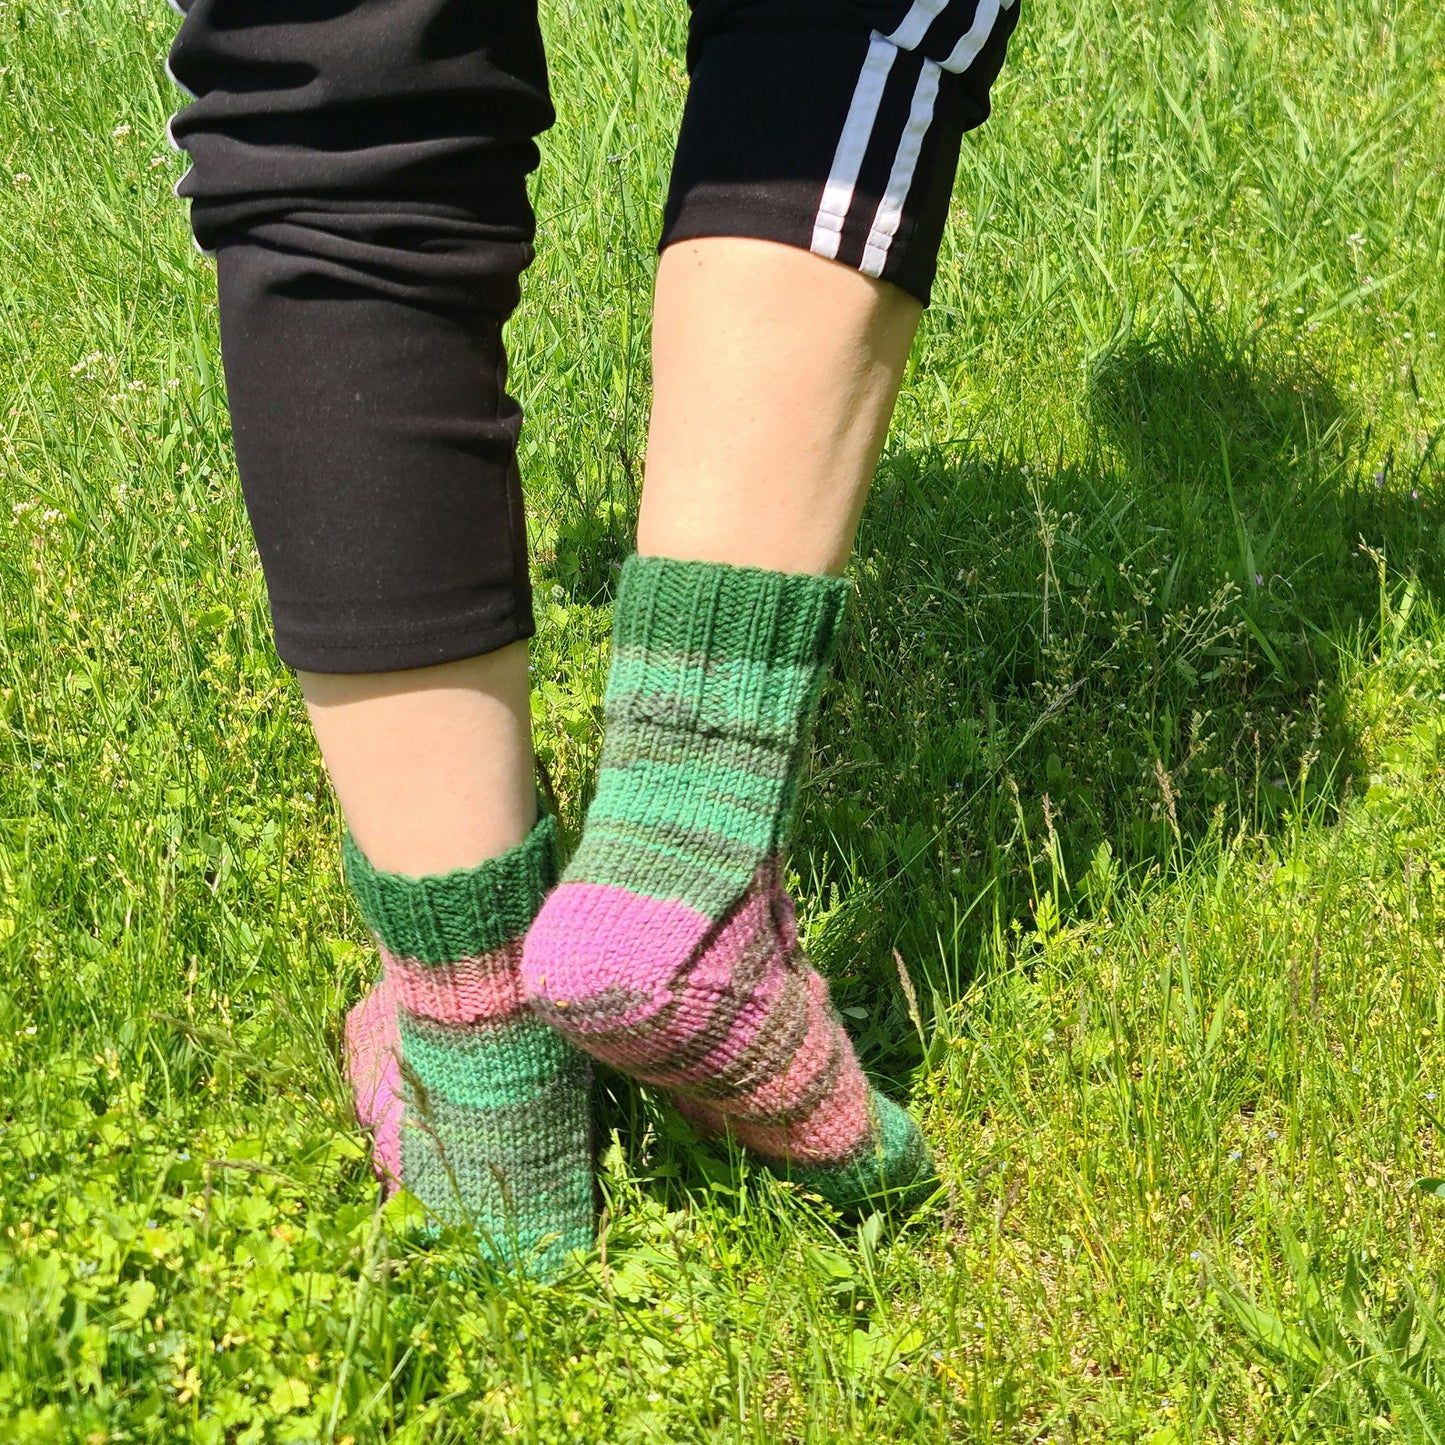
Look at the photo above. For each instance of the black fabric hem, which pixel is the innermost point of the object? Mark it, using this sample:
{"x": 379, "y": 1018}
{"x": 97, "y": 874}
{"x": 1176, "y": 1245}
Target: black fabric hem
{"x": 720, "y": 210}
{"x": 388, "y": 650}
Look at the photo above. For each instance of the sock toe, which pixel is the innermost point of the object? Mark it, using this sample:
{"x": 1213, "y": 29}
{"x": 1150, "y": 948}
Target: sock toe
{"x": 893, "y": 1170}
{"x": 895, "y": 1173}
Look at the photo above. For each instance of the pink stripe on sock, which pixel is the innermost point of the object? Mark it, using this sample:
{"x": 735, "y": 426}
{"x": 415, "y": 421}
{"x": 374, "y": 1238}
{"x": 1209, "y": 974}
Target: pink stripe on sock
{"x": 601, "y": 959}
{"x": 703, "y": 997}
{"x": 486, "y": 988}
{"x": 386, "y": 1131}
{"x": 373, "y": 1069}
{"x": 783, "y": 1090}
{"x": 834, "y": 1133}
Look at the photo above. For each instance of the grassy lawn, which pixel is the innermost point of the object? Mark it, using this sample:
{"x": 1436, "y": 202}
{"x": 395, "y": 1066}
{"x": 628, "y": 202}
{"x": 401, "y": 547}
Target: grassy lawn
{"x": 1132, "y": 765}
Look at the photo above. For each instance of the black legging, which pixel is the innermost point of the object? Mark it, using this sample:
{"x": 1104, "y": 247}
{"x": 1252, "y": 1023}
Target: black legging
{"x": 360, "y": 171}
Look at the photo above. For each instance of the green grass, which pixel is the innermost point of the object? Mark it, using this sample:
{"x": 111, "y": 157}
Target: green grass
{"x": 1133, "y": 756}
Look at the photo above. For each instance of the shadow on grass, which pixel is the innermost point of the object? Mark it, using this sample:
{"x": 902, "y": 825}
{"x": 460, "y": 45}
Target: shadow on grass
{"x": 1062, "y": 674}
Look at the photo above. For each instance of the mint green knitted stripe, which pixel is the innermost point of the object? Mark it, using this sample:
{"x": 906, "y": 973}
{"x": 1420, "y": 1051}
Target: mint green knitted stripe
{"x": 763, "y": 701}
{"x": 896, "y": 1172}
{"x": 488, "y": 1068}
{"x": 532, "y": 1113}
{"x": 696, "y": 796}
{"x": 639, "y": 671}
{"x": 712, "y": 610}
{"x": 698, "y": 870}
{"x": 503, "y": 1172}
{"x": 629, "y": 741}
{"x": 447, "y": 916}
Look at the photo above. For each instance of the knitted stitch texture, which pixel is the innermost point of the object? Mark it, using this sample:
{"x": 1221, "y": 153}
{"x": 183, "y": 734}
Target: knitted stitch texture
{"x": 476, "y": 1106}
{"x": 669, "y": 950}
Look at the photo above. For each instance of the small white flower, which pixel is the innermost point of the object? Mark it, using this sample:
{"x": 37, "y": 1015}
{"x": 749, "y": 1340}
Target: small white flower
{"x": 120, "y": 132}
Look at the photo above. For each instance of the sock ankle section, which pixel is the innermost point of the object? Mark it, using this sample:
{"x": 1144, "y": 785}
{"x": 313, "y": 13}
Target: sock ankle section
{"x": 669, "y": 949}
{"x": 443, "y": 917}
{"x": 487, "y": 1118}
{"x": 714, "y": 681}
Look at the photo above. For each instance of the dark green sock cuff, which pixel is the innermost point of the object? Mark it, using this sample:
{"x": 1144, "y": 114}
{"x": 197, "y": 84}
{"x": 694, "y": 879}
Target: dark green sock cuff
{"x": 446, "y": 916}
{"x": 718, "y": 613}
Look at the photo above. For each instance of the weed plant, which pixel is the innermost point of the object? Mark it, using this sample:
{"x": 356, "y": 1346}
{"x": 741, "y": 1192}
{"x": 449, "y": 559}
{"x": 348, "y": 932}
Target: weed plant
{"x": 1122, "y": 844}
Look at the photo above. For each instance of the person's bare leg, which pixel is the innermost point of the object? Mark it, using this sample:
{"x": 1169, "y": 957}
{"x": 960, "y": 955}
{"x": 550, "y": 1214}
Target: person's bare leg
{"x": 432, "y": 766}
{"x": 774, "y": 374}
{"x": 433, "y": 769}
{"x": 669, "y": 950}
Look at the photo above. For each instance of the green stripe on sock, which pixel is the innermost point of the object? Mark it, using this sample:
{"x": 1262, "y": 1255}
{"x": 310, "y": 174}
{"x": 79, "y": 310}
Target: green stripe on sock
{"x": 758, "y": 699}
{"x": 446, "y": 916}
{"x": 502, "y": 1175}
{"x": 486, "y": 1068}
{"x": 631, "y": 742}
{"x": 530, "y": 1116}
{"x": 695, "y": 796}
{"x": 705, "y": 871}
{"x": 896, "y": 1173}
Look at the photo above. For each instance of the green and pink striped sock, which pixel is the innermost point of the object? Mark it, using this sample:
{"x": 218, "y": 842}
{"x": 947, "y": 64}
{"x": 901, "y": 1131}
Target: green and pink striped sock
{"x": 475, "y": 1106}
{"x": 669, "y": 949}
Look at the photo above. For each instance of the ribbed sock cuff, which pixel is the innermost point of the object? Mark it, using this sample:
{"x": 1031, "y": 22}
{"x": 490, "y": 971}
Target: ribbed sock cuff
{"x": 720, "y": 612}
{"x": 448, "y": 916}
{"x": 724, "y": 651}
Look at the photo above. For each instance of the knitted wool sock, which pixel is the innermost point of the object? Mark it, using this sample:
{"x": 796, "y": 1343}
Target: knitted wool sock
{"x": 477, "y": 1107}
{"x": 669, "y": 949}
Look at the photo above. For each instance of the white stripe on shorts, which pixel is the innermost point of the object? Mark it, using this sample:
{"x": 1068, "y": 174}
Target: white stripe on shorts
{"x": 889, "y": 215}
{"x": 914, "y": 25}
{"x": 863, "y": 116}
{"x": 852, "y": 146}
{"x": 975, "y": 37}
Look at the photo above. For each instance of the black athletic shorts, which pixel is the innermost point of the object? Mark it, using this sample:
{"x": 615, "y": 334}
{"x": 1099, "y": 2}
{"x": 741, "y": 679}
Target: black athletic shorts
{"x": 359, "y": 169}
